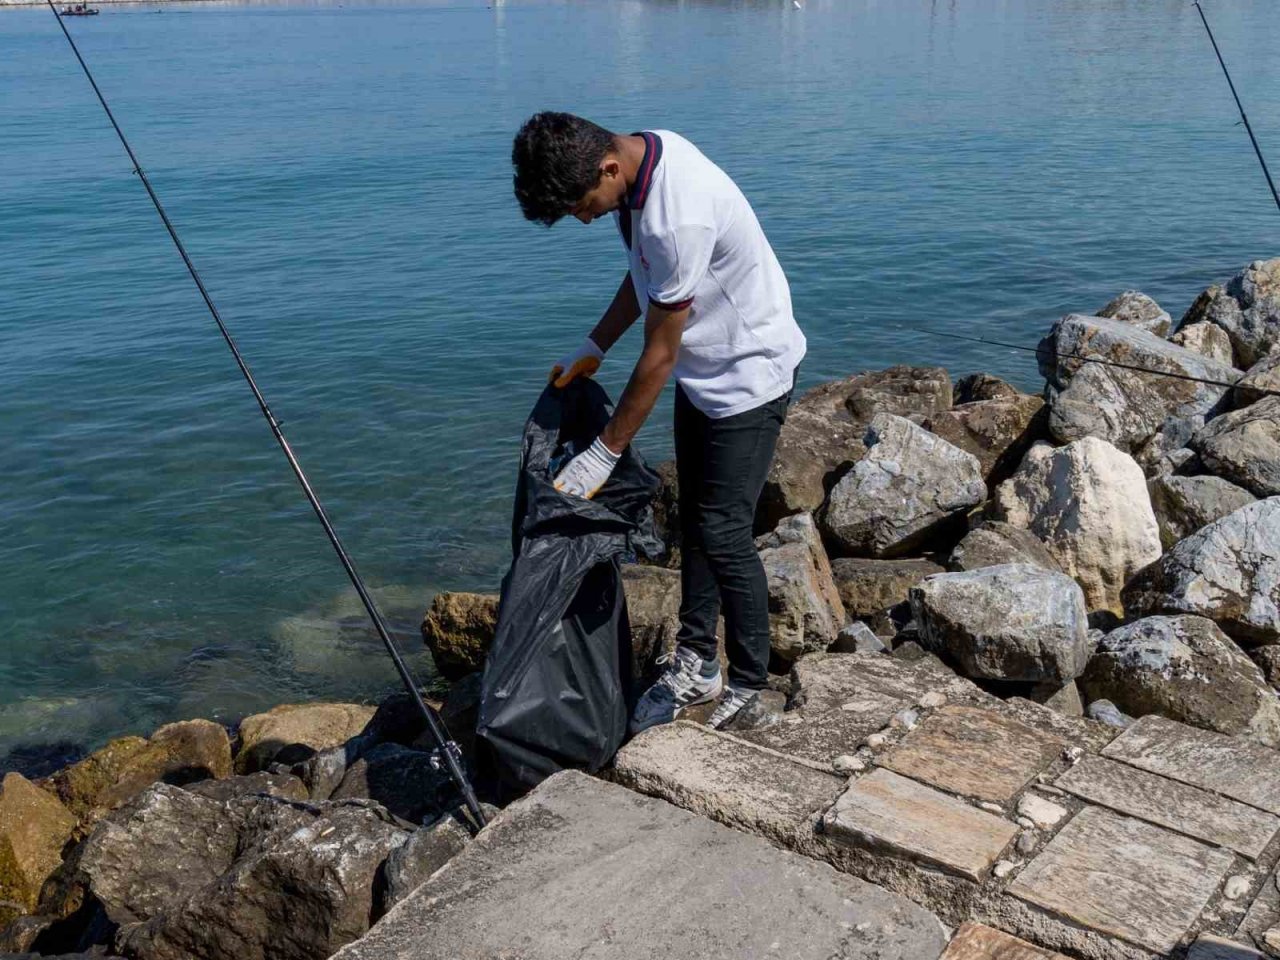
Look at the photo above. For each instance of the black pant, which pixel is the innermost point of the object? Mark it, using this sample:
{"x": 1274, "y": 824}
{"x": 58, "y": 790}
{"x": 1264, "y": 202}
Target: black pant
{"x": 722, "y": 466}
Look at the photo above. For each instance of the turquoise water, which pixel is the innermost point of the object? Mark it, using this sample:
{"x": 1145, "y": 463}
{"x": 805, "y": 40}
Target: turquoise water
{"x": 339, "y": 172}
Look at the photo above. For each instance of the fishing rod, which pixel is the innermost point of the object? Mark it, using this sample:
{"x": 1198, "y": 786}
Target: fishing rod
{"x": 447, "y": 754}
{"x": 1254, "y": 140}
{"x": 1042, "y": 352}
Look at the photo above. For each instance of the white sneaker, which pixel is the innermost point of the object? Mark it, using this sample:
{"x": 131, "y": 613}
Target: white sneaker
{"x": 681, "y": 685}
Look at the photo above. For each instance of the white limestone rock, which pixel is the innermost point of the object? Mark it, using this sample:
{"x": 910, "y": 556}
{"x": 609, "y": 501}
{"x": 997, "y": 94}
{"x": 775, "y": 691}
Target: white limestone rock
{"x": 1088, "y": 503}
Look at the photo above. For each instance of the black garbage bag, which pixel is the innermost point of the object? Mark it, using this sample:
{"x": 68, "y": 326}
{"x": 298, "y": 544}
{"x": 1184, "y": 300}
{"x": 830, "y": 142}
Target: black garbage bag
{"x": 557, "y": 690}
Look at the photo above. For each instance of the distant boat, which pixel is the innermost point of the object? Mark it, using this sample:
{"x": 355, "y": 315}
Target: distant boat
{"x": 79, "y": 10}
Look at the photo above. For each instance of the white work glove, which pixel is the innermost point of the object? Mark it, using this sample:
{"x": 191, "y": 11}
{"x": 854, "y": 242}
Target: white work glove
{"x": 583, "y": 362}
{"x": 585, "y": 474}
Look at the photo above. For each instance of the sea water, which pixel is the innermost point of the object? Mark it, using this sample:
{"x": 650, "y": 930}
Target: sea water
{"x": 340, "y": 174}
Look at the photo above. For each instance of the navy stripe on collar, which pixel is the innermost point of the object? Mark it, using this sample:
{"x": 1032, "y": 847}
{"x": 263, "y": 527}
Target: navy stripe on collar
{"x": 644, "y": 178}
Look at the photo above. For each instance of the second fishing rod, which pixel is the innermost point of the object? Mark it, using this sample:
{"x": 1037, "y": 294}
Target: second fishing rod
{"x": 447, "y": 754}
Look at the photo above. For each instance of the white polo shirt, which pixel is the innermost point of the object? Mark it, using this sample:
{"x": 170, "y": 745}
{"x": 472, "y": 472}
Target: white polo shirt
{"x": 695, "y": 241}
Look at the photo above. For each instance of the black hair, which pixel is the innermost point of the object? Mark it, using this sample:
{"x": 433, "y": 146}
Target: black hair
{"x": 557, "y": 160}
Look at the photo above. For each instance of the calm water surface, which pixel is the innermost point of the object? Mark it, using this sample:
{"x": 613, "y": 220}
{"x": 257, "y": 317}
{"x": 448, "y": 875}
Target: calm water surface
{"x": 339, "y": 172}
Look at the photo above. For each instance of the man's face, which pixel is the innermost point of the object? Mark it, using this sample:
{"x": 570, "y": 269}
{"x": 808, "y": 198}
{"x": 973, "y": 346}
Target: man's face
{"x": 606, "y": 196}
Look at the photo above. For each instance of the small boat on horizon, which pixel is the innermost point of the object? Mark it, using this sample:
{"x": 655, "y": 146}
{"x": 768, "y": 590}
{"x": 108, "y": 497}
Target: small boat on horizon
{"x": 79, "y": 10}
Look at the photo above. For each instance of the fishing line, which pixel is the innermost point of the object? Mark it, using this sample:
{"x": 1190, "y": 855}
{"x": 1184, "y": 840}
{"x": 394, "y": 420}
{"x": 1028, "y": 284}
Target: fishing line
{"x": 1042, "y": 352}
{"x": 447, "y": 754}
{"x": 1252, "y": 139}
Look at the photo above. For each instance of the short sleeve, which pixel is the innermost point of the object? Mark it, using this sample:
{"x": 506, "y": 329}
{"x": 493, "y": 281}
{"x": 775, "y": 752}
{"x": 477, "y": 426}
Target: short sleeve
{"x": 676, "y": 260}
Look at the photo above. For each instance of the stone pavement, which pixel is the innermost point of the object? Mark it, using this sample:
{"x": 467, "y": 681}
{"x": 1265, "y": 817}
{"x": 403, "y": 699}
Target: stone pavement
{"x": 1029, "y": 831}
{"x": 584, "y": 869}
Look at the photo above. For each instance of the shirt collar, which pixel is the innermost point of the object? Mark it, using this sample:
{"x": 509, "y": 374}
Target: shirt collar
{"x": 639, "y": 191}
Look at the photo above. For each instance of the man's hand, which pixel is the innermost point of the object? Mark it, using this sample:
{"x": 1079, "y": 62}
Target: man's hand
{"x": 585, "y": 474}
{"x": 583, "y": 362}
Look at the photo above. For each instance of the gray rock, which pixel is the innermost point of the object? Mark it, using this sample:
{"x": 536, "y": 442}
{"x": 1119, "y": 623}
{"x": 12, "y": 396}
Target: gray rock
{"x": 997, "y": 432}
{"x": 1104, "y": 711}
{"x": 994, "y": 543}
{"x": 909, "y": 487}
{"x": 823, "y": 433}
{"x": 1186, "y": 669}
{"x": 653, "y": 607}
{"x": 1209, "y": 947}
{"x": 1259, "y": 380}
{"x": 400, "y": 779}
{"x": 1088, "y": 504}
{"x": 1268, "y": 661}
{"x": 1184, "y": 505}
{"x": 1227, "y": 571}
{"x": 1248, "y": 309}
{"x": 870, "y": 588}
{"x": 412, "y": 863}
{"x": 583, "y": 868}
{"x": 1123, "y": 407}
{"x": 983, "y": 386}
{"x": 1166, "y": 451}
{"x": 1244, "y": 447}
{"x": 857, "y": 637}
{"x": 763, "y": 711}
{"x": 1010, "y": 622}
{"x": 1141, "y": 311}
{"x": 1061, "y": 698}
{"x": 1205, "y": 338}
{"x": 283, "y": 785}
{"x": 805, "y": 610}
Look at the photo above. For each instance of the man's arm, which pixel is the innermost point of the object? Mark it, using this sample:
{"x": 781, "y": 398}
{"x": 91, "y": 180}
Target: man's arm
{"x": 617, "y": 320}
{"x": 662, "y": 331}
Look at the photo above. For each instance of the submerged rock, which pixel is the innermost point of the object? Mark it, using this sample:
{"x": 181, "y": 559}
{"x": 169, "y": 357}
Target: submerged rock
{"x": 1136, "y": 308}
{"x": 1088, "y": 503}
{"x": 910, "y": 486}
{"x": 805, "y": 610}
{"x": 1244, "y": 447}
{"x": 1229, "y": 571}
{"x": 1010, "y": 622}
{"x": 34, "y": 827}
{"x": 1183, "y": 505}
{"x": 459, "y": 629}
{"x": 293, "y": 732}
{"x": 1124, "y": 407}
{"x": 1186, "y": 669}
{"x": 177, "y": 753}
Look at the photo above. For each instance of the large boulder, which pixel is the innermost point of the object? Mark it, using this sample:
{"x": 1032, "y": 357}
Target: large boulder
{"x": 1136, "y": 308}
{"x": 993, "y": 543}
{"x": 911, "y": 486}
{"x": 177, "y": 753}
{"x": 1244, "y": 447}
{"x": 805, "y": 610}
{"x": 1186, "y": 669}
{"x": 870, "y": 588}
{"x": 292, "y": 732}
{"x": 1260, "y": 380}
{"x": 1185, "y": 504}
{"x": 253, "y": 877}
{"x": 1010, "y": 622}
{"x": 1228, "y": 571}
{"x": 426, "y": 851}
{"x": 824, "y": 428}
{"x": 1248, "y": 309}
{"x": 997, "y": 432}
{"x": 653, "y": 608}
{"x": 459, "y": 629}
{"x": 1088, "y": 503}
{"x": 34, "y": 827}
{"x": 1122, "y": 406}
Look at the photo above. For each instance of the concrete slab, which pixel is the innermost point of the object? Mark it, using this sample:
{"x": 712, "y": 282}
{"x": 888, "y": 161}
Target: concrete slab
{"x": 1206, "y": 816}
{"x": 1124, "y": 878}
{"x": 585, "y": 869}
{"x": 884, "y": 811}
{"x": 975, "y": 753}
{"x": 823, "y": 681}
{"x": 974, "y": 941}
{"x": 821, "y": 737}
{"x": 1232, "y": 766}
{"x": 727, "y": 779}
